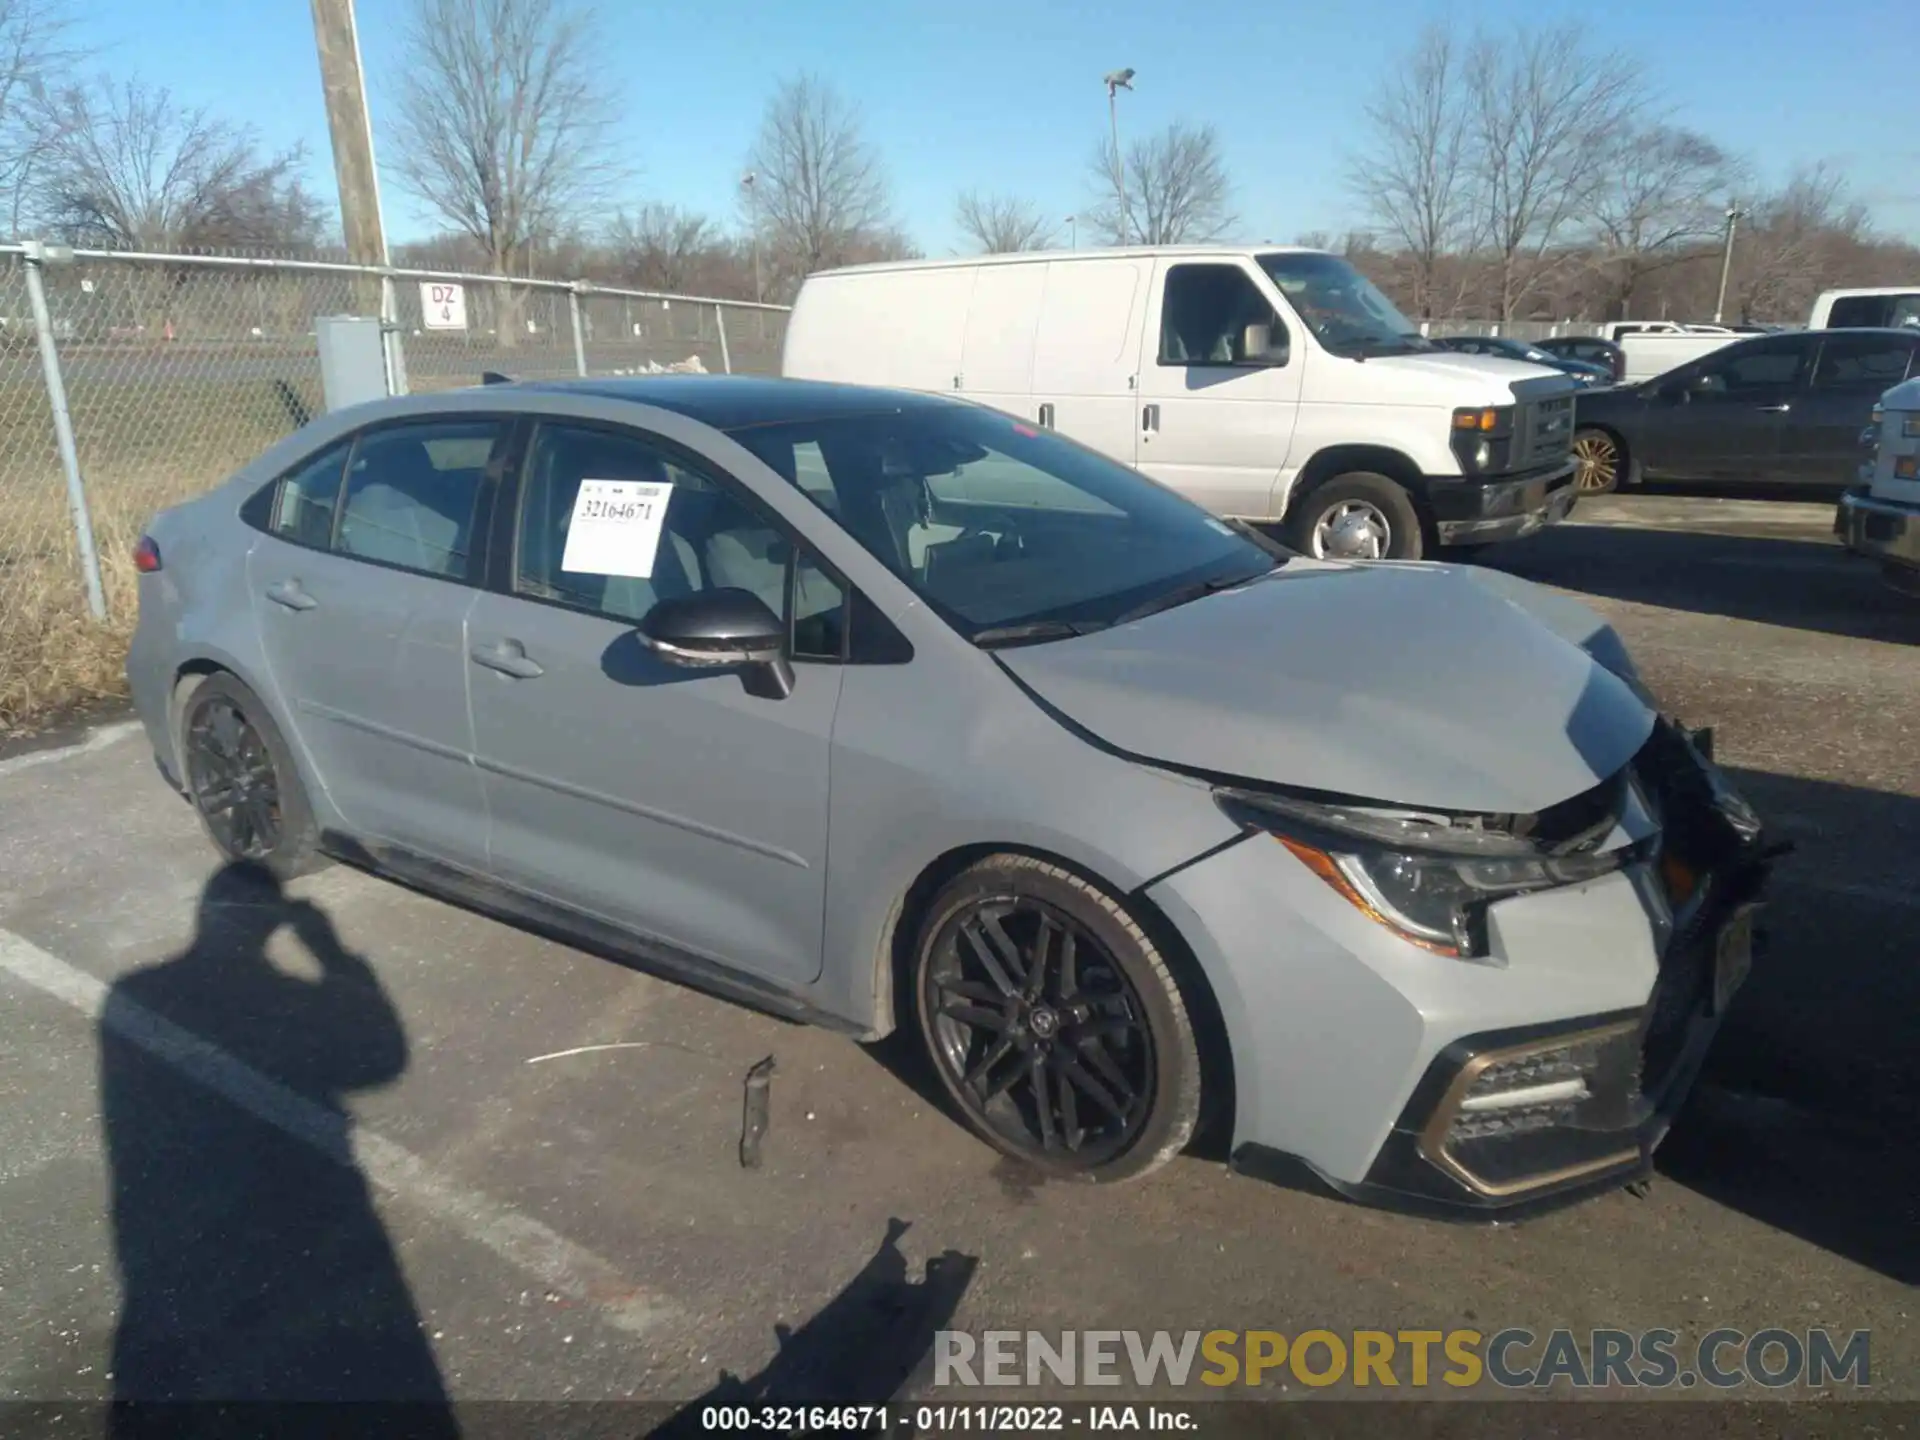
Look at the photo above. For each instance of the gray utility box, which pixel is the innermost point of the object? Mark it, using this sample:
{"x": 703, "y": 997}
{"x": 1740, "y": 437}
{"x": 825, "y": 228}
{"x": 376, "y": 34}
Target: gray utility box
{"x": 353, "y": 362}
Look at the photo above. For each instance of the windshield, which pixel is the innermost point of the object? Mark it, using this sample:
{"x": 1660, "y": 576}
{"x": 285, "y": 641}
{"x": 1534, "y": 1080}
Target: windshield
{"x": 996, "y": 524}
{"x": 1344, "y": 309}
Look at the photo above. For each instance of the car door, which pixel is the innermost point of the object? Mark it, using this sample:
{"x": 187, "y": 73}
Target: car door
{"x": 1822, "y": 441}
{"x": 361, "y": 588}
{"x": 669, "y": 802}
{"x": 1723, "y": 417}
{"x": 1215, "y": 422}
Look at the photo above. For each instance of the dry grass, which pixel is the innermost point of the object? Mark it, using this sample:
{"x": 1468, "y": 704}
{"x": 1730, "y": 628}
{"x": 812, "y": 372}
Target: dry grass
{"x": 142, "y": 448}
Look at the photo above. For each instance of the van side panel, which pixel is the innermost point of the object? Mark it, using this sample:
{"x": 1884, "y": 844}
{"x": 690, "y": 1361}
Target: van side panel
{"x": 905, "y": 328}
{"x": 996, "y": 366}
{"x": 1087, "y": 347}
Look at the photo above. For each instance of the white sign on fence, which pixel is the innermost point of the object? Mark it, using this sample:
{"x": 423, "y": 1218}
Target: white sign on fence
{"x": 443, "y": 306}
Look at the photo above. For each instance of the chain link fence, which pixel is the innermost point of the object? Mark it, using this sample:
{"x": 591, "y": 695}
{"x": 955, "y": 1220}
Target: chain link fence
{"x": 165, "y": 373}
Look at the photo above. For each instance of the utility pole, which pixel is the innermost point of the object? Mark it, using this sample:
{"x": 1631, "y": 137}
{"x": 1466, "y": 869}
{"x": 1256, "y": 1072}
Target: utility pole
{"x": 350, "y": 127}
{"x": 351, "y": 131}
{"x": 1734, "y": 215}
{"x": 1117, "y": 81}
{"x": 748, "y": 183}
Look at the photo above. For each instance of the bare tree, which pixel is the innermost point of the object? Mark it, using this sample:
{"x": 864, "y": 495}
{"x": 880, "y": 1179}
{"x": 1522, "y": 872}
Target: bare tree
{"x": 661, "y": 247}
{"x": 1177, "y": 189}
{"x": 820, "y": 191}
{"x": 1415, "y": 174}
{"x": 1001, "y": 224}
{"x": 504, "y": 123}
{"x": 35, "y": 47}
{"x": 1546, "y": 113}
{"x": 1810, "y": 229}
{"x": 1658, "y": 200}
{"x": 127, "y": 167}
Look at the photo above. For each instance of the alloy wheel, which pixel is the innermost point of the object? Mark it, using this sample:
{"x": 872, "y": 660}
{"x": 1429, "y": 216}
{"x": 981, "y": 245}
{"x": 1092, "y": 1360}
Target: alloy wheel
{"x": 1040, "y": 1034}
{"x": 1598, "y": 459}
{"x": 231, "y": 775}
{"x": 1353, "y": 530}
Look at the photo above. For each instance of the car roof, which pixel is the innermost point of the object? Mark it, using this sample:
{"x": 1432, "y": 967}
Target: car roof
{"x": 738, "y": 402}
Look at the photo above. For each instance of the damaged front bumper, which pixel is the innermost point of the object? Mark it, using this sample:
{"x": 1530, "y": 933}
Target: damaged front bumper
{"x": 1512, "y": 1117}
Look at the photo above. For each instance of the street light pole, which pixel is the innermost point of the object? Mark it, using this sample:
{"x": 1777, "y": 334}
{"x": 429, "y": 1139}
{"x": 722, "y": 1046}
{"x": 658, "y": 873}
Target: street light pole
{"x": 1117, "y": 81}
{"x": 1073, "y": 232}
{"x": 1734, "y": 216}
{"x": 753, "y": 222}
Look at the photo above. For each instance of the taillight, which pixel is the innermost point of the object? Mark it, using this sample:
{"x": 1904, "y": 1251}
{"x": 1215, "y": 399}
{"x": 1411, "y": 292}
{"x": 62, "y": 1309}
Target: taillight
{"x": 146, "y": 556}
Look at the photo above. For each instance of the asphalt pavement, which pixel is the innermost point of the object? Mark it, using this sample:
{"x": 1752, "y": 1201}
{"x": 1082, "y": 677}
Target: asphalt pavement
{"x": 353, "y": 1141}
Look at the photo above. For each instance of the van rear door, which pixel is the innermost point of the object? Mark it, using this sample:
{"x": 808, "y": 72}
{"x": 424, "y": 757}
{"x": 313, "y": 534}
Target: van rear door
{"x": 1216, "y": 423}
{"x": 1086, "y": 349}
{"x": 996, "y": 367}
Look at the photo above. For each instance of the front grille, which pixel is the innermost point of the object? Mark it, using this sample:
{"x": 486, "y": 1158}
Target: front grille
{"x": 1543, "y": 432}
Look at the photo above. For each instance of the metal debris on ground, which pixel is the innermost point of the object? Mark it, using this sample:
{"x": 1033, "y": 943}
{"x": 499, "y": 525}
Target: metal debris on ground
{"x": 753, "y": 1118}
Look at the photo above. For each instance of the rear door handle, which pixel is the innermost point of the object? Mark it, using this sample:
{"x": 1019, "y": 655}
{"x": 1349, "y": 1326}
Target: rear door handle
{"x": 1773, "y": 409}
{"x": 290, "y": 594}
{"x": 1150, "y": 417}
{"x": 509, "y": 657}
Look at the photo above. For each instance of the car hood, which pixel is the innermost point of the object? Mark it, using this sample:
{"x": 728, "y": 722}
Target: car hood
{"x": 1454, "y": 367}
{"x": 1404, "y": 683}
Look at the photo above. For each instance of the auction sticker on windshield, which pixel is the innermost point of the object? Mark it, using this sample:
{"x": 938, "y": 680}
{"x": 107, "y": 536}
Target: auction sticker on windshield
{"x": 615, "y": 529}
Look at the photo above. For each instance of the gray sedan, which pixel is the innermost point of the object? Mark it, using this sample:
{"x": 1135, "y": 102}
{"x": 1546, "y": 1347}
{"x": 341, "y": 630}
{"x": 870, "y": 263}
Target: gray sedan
{"x": 876, "y": 709}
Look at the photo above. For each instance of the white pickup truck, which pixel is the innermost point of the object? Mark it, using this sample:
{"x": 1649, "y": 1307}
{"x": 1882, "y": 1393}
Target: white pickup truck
{"x": 1880, "y": 518}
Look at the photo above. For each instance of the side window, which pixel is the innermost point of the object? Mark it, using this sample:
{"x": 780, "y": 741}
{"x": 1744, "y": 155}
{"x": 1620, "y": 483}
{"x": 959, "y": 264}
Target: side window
{"x": 412, "y": 491}
{"x": 1755, "y": 367}
{"x": 710, "y": 537}
{"x": 304, "y": 500}
{"x": 1205, "y": 313}
{"x": 1861, "y": 362}
{"x": 1857, "y": 310}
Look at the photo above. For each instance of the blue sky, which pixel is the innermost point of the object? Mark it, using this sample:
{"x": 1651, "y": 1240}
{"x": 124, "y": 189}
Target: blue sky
{"x": 1007, "y": 96}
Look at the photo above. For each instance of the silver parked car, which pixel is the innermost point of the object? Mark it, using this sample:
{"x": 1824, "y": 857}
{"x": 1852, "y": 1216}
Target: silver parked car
{"x": 880, "y": 709}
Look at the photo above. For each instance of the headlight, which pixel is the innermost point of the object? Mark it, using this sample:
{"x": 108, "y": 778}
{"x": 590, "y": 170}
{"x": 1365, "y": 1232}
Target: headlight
{"x": 1426, "y": 878}
{"x": 1910, "y": 427}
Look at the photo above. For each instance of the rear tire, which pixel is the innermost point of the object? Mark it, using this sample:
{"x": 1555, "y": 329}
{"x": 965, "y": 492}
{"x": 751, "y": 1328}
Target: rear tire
{"x": 1361, "y": 515}
{"x": 242, "y": 780}
{"x": 1053, "y": 1022}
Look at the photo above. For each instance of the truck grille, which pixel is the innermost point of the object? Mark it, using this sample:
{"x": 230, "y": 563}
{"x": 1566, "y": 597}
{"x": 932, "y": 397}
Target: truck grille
{"x": 1543, "y": 432}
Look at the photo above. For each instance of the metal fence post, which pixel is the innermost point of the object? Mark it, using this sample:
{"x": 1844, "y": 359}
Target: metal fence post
{"x": 390, "y": 347}
{"x": 33, "y": 256}
{"x": 579, "y": 336}
{"x": 720, "y": 324}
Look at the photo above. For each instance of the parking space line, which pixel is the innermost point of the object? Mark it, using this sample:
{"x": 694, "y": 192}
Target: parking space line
{"x": 96, "y": 740}
{"x": 520, "y": 1240}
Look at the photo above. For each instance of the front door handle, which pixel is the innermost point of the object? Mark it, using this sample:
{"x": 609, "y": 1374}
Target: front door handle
{"x": 509, "y": 657}
{"x": 1149, "y": 418}
{"x": 290, "y": 594}
{"x": 1773, "y": 409}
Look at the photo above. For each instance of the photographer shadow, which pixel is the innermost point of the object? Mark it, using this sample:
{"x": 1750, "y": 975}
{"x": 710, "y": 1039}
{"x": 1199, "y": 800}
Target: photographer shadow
{"x": 253, "y": 1265}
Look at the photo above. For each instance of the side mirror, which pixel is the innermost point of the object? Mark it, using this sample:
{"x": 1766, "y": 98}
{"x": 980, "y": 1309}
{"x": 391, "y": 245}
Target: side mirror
{"x": 1258, "y": 348}
{"x": 722, "y": 629}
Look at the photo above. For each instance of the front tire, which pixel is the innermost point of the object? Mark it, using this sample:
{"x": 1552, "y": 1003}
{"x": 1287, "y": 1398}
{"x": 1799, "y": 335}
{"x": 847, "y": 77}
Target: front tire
{"x": 1360, "y": 515}
{"x": 1053, "y": 1022}
{"x": 1601, "y": 462}
{"x": 240, "y": 775}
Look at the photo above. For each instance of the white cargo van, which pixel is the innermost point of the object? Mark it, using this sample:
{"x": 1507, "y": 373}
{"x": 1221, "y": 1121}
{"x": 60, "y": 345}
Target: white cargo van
{"x": 1266, "y": 384}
